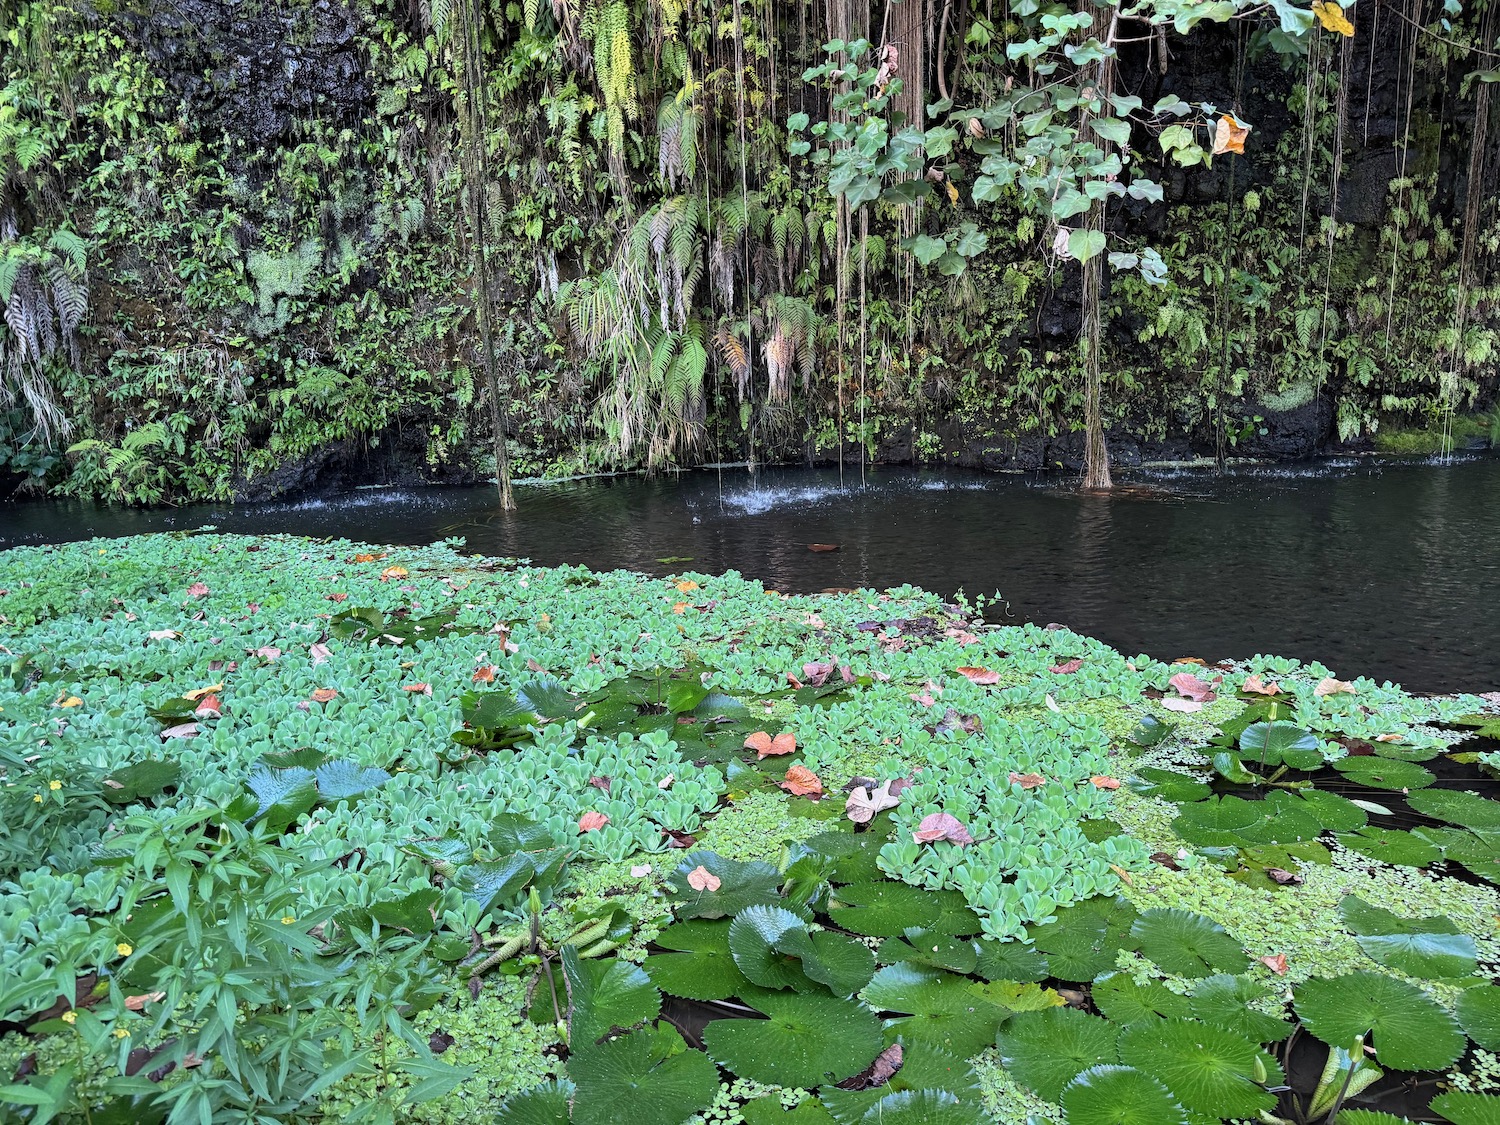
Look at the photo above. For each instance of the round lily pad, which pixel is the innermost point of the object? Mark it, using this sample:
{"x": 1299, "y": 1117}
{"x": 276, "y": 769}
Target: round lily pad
{"x": 1410, "y": 1030}
{"x": 1219, "y": 821}
{"x": 701, "y": 968}
{"x": 1046, "y": 1050}
{"x": 1469, "y": 810}
{"x": 887, "y": 909}
{"x": 1225, "y": 1001}
{"x": 1187, "y": 944}
{"x": 1125, "y": 1001}
{"x": 923, "y": 1107}
{"x": 923, "y": 1067}
{"x": 1120, "y": 1095}
{"x": 759, "y": 941}
{"x": 1463, "y": 1108}
{"x": 1084, "y": 939}
{"x": 1419, "y": 947}
{"x": 1392, "y": 845}
{"x": 1478, "y": 1011}
{"x": 547, "y": 1104}
{"x": 1149, "y": 781}
{"x": 1208, "y": 1069}
{"x": 946, "y": 1011}
{"x": 1384, "y": 773}
{"x": 808, "y": 1040}
{"x": 1334, "y": 812}
{"x": 1277, "y": 743}
{"x": 648, "y": 1075}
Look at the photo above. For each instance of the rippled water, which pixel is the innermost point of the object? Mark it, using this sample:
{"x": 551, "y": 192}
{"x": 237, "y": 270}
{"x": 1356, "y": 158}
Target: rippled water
{"x": 1390, "y": 570}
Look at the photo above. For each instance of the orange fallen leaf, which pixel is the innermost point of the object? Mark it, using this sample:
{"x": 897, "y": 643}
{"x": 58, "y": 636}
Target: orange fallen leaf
{"x": 417, "y": 689}
{"x": 1387, "y": 738}
{"x": 1027, "y": 780}
{"x": 1099, "y": 781}
{"x": 338, "y": 597}
{"x": 767, "y": 747}
{"x": 393, "y": 572}
{"x": 802, "y": 782}
{"x": 686, "y": 586}
{"x": 1254, "y": 685}
{"x": 1066, "y": 668}
{"x": 592, "y": 821}
{"x": 1191, "y": 660}
{"x": 199, "y": 693}
{"x": 1229, "y": 135}
{"x": 138, "y": 1003}
{"x": 701, "y": 878}
{"x": 484, "y": 674}
{"x": 368, "y": 558}
{"x": 680, "y": 607}
{"x": 982, "y": 676}
{"x": 1331, "y": 686}
{"x": 69, "y": 701}
{"x": 323, "y": 694}
{"x": 1123, "y": 874}
{"x": 1332, "y": 17}
{"x": 209, "y": 707}
{"x": 1276, "y": 962}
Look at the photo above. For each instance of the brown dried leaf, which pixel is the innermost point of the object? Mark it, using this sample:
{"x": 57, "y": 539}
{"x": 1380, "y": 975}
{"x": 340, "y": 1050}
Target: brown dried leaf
{"x": 1276, "y": 962}
{"x": 865, "y": 801}
{"x": 1191, "y": 687}
{"x": 941, "y": 826}
{"x": 1027, "y": 780}
{"x": 1254, "y": 685}
{"x": 323, "y": 695}
{"x": 1067, "y": 668}
{"x": 802, "y": 782}
{"x": 1331, "y": 686}
{"x": 1100, "y": 781}
{"x": 767, "y": 747}
{"x": 981, "y": 676}
{"x": 592, "y": 821}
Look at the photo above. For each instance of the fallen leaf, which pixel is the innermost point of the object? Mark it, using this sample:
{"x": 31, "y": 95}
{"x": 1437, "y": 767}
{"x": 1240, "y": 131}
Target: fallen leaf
{"x": 484, "y": 674}
{"x": 686, "y": 586}
{"x": 878, "y": 1073}
{"x": 640, "y": 871}
{"x": 666, "y": 782}
{"x": 802, "y": 782}
{"x": 338, "y": 597}
{"x": 319, "y": 653}
{"x": 368, "y": 558}
{"x": 1388, "y": 738}
{"x": 268, "y": 652}
{"x": 323, "y": 694}
{"x": 982, "y": 676}
{"x": 197, "y": 590}
{"x": 392, "y": 572}
{"x": 417, "y": 689}
{"x": 199, "y": 693}
{"x": 1185, "y": 706}
{"x": 1254, "y": 685}
{"x": 676, "y": 839}
{"x": 816, "y": 673}
{"x": 138, "y": 1003}
{"x": 1099, "y": 781}
{"x": 1191, "y": 687}
{"x": 822, "y": 548}
{"x": 1332, "y": 17}
{"x": 1124, "y": 875}
{"x": 181, "y": 730}
{"x": 864, "y": 802}
{"x": 767, "y": 747}
{"x": 1276, "y": 962}
{"x": 1027, "y": 780}
{"x": 1167, "y": 860}
{"x": 592, "y": 821}
{"x": 1282, "y": 876}
{"x": 1067, "y": 668}
{"x": 701, "y": 878}
{"x": 1191, "y": 660}
{"x": 602, "y": 783}
{"x": 1331, "y": 686}
{"x": 1230, "y": 132}
{"x": 70, "y": 701}
{"x": 163, "y": 634}
{"x": 941, "y": 826}
{"x": 924, "y": 699}
{"x": 209, "y": 707}
{"x": 680, "y": 607}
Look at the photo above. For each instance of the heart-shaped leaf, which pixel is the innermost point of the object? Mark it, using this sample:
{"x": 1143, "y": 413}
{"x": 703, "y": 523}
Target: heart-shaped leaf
{"x": 1419, "y": 947}
{"x": 1410, "y": 1030}
{"x": 702, "y": 968}
{"x": 606, "y": 994}
{"x": 889, "y": 909}
{"x": 1120, "y": 1095}
{"x": 808, "y": 1039}
{"x": 1207, "y": 1069}
{"x": 647, "y": 1076}
{"x": 1187, "y": 944}
{"x": 1046, "y": 1050}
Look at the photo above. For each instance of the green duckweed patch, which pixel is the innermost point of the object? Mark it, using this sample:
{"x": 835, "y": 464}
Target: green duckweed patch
{"x": 307, "y": 831}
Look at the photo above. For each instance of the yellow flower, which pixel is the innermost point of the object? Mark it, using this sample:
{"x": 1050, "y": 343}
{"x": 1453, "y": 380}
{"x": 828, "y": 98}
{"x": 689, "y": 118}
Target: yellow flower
{"x": 121, "y": 1033}
{"x": 287, "y": 919}
{"x": 70, "y": 1017}
{"x": 54, "y": 785}
{"x": 37, "y": 798}
{"x": 124, "y": 949}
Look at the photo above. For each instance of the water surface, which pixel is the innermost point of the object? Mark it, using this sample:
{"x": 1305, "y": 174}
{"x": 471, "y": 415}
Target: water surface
{"x": 1383, "y": 569}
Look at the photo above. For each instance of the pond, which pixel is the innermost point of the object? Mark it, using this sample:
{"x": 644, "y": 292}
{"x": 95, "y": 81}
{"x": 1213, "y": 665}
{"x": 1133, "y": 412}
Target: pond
{"x": 1378, "y": 568}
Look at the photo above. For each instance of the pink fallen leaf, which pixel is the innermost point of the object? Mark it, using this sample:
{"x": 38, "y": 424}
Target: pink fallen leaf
{"x": 197, "y": 590}
{"x": 1185, "y": 706}
{"x": 1331, "y": 686}
{"x": 319, "y": 654}
{"x": 600, "y": 783}
{"x": 1100, "y": 781}
{"x": 865, "y": 801}
{"x": 138, "y": 1003}
{"x": 1276, "y": 962}
{"x": 1027, "y": 780}
{"x": 941, "y": 826}
{"x": 417, "y": 689}
{"x": 268, "y": 652}
{"x": 1067, "y": 668}
{"x": 701, "y": 878}
{"x": 767, "y": 747}
{"x": 667, "y": 782}
{"x": 802, "y": 782}
{"x": 1191, "y": 687}
{"x": 1254, "y": 685}
{"x": 592, "y": 821}
{"x": 323, "y": 694}
{"x": 816, "y": 674}
{"x": 925, "y": 699}
{"x": 209, "y": 707}
{"x": 163, "y": 634}
{"x": 981, "y": 676}
{"x": 640, "y": 871}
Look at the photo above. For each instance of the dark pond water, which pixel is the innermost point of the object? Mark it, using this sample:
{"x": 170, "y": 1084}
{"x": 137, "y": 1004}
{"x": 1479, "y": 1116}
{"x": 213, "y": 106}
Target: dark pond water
{"x": 1383, "y": 569}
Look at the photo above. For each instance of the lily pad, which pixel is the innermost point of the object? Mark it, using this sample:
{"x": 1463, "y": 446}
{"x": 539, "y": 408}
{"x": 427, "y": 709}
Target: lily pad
{"x": 1046, "y": 1050}
{"x": 1011, "y": 960}
{"x": 1149, "y": 781}
{"x": 940, "y": 1009}
{"x": 888, "y": 909}
{"x": 1392, "y": 845}
{"x": 139, "y": 780}
{"x": 1083, "y": 940}
{"x": 1281, "y": 743}
{"x": 606, "y": 994}
{"x": 758, "y": 938}
{"x": 1384, "y": 773}
{"x": 1208, "y": 1069}
{"x": 923, "y": 1107}
{"x": 923, "y": 1067}
{"x": 937, "y": 951}
{"x": 1120, "y": 1095}
{"x": 342, "y": 780}
{"x": 1410, "y": 1030}
{"x": 1125, "y": 1001}
{"x": 740, "y": 885}
{"x": 1420, "y": 947}
{"x": 1464, "y": 1108}
{"x": 1336, "y": 813}
{"x": 547, "y": 1104}
{"x": 648, "y": 1077}
{"x": 808, "y": 1040}
{"x": 701, "y": 966}
{"x": 768, "y": 1110}
{"x": 1225, "y": 1001}
{"x": 1478, "y": 1011}
{"x": 1219, "y": 821}
{"x": 1187, "y": 944}
{"x": 854, "y": 856}
{"x": 1468, "y": 810}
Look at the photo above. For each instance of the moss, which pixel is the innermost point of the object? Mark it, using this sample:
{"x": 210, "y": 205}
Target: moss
{"x": 1006, "y": 1100}
{"x": 491, "y": 1035}
{"x": 1425, "y": 441}
{"x": 757, "y": 827}
{"x": 592, "y": 888}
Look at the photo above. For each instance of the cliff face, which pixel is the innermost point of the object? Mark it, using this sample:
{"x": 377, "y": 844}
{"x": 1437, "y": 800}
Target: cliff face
{"x": 279, "y": 292}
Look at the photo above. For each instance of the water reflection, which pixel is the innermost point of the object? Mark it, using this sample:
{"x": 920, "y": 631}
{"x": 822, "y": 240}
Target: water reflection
{"x": 1387, "y": 570}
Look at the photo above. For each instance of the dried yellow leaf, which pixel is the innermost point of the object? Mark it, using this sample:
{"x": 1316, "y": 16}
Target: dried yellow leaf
{"x": 1332, "y": 17}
